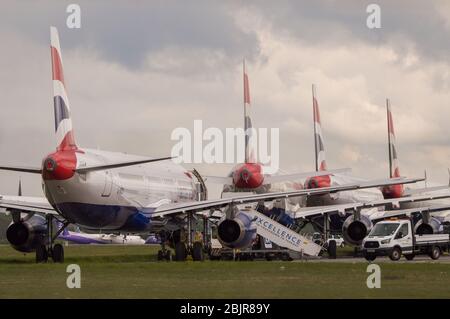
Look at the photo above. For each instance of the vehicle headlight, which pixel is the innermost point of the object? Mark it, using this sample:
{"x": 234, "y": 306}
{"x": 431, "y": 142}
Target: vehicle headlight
{"x": 386, "y": 241}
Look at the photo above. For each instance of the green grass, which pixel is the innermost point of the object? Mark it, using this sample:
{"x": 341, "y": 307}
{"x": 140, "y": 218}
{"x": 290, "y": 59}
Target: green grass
{"x": 133, "y": 272}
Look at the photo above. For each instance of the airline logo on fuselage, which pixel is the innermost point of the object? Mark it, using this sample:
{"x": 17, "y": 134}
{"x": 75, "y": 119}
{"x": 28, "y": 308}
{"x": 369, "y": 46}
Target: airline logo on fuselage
{"x": 277, "y": 231}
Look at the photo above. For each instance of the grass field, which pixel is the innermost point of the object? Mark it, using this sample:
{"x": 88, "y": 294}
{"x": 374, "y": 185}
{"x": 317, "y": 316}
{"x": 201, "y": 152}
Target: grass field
{"x": 133, "y": 272}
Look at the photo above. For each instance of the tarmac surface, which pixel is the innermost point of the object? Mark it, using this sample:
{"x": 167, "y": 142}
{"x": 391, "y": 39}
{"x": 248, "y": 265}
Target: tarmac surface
{"x": 418, "y": 259}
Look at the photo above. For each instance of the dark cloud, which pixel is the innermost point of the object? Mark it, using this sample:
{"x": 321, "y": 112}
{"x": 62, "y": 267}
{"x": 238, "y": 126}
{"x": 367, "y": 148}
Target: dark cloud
{"x": 125, "y": 31}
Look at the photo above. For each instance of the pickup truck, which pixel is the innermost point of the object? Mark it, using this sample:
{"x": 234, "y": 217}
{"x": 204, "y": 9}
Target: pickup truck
{"x": 395, "y": 238}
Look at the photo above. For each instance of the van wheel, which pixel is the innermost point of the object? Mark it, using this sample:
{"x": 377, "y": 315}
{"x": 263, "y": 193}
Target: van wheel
{"x": 409, "y": 256}
{"x": 370, "y": 257}
{"x": 396, "y": 253}
{"x": 435, "y": 252}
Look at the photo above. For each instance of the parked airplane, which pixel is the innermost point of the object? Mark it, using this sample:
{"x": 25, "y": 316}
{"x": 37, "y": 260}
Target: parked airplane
{"x": 427, "y": 224}
{"x": 79, "y": 237}
{"x": 109, "y": 192}
{"x": 354, "y": 226}
{"x": 252, "y": 176}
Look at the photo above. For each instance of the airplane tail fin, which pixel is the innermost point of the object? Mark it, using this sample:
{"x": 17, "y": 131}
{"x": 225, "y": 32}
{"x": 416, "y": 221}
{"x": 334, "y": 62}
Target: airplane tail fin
{"x": 250, "y": 156}
{"x": 394, "y": 170}
{"x": 63, "y": 124}
{"x": 321, "y": 164}
{"x": 392, "y": 191}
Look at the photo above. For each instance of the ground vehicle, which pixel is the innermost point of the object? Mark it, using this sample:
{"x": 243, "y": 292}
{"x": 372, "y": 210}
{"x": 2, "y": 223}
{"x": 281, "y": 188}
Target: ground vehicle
{"x": 396, "y": 237}
{"x": 338, "y": 239}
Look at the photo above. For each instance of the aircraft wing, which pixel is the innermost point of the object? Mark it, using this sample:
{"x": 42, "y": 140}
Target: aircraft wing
{"x": 335, "y": 209}
{"x": 424, "y": 190}
{"x": 216, "y": 204}
{"x": 27, "y": 204}
{"x": 408, "y": 212}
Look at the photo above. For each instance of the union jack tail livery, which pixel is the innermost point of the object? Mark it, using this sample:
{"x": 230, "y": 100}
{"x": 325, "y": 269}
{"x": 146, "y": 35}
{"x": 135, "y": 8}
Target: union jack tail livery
{"x": 392, "y": 191}
{"x": 321, "y": 165}
{"x": 63, "y": 124}
{"x": 394, "y": 170}
{"x": 249, "y": 138}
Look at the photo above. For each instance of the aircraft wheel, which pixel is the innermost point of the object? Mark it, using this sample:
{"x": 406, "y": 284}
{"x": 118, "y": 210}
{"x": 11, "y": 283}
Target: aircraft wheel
{"x": 41, "y": 254}
{"x": 180, "y": 251}
{"x": 197, "y": 252}
{"x": 332, "y": 249}
{"x": 58, "y": 253}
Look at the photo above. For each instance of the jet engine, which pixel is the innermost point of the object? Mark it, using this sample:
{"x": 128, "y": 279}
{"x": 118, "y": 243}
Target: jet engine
{"x": 431, "y": 226}
{"x": 25, "y": 236}
{"x": 239, "y": 232}
{"x": 355, "y": 230}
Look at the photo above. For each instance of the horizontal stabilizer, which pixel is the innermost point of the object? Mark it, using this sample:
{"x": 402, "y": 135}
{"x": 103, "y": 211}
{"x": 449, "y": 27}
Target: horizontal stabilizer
{"x": 33, "y": 170}
{"x": 270, "y": 179}
{"x": 87, "y": 169}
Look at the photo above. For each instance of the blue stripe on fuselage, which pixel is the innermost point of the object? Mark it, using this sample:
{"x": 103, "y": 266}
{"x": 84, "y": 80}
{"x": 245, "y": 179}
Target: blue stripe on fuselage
{"x": 105, "y": 216}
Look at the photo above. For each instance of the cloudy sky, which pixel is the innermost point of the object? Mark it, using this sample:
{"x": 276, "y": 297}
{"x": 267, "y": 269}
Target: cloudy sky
{"x": 138, "y": 69}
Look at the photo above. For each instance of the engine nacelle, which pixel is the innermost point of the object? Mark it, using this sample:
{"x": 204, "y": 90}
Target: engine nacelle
{"x": 354, "y": 231}
{"x": 25, "y": 236}
{"x": 433, "y": 226}
{"x": 239, "y": 232}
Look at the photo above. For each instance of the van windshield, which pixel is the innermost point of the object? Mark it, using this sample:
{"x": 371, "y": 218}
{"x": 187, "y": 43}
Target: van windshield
{"x": 384, "y": 229}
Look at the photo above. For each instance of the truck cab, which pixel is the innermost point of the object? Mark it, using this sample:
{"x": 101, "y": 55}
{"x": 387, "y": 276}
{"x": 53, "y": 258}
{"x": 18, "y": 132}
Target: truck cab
{"x": 396, "y": 237}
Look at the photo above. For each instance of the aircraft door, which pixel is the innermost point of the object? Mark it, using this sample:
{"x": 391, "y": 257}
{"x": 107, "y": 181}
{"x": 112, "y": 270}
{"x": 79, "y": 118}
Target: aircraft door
{"x": 108, "y": 184}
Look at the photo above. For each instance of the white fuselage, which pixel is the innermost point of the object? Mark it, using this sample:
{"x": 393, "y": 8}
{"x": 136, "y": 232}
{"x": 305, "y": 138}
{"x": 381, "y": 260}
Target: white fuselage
{"x": 120, "y": 198}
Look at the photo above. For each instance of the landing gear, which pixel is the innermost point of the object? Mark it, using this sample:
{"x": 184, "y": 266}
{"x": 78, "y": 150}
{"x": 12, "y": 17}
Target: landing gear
{"x": 180, "y": 251}
{"x": 186, "y": 241}
{"x": 197, "y": 252}
{"x": 58, "y": 253}
{"x": 164, "y": 253}
{"x": 332, "y": 249}
{"x": 55, "y": 251}
{"x": 41, "y": 254}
